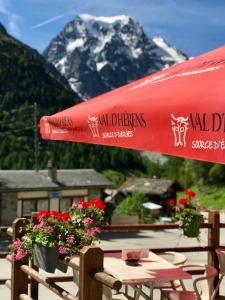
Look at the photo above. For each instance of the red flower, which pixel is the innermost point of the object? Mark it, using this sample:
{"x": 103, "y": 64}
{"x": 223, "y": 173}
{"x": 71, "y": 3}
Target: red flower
{"x": 182, "y": 201}
{"x": 43, "y": 214}
{"x": 85, "y": 204}
{"x": 171, "y": 202}
{"x": 98, "y": 203}
{"x": 56, "y": 214}
{"x": 65, "y": 216}
{"x": 80, "y": 200}
{"x": 190, "y": 193}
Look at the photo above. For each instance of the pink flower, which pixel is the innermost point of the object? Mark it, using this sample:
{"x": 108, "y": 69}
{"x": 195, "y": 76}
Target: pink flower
{"x": 12, "y": 256}
{"x": 177, "y": 209}
{"x": 20, "y": 254}
{"x": 16, "y": 244}
{"x": 70, "y": 239}
{"x": 38, "y": 226}
{"x": 62, "y": 250}
{"x": 92, "y": 231}
{"x": 48, "y": 229}
{"x": 74, "y": 205}
{"x": 87, "y": 221}
{"x": 97, "y": 229}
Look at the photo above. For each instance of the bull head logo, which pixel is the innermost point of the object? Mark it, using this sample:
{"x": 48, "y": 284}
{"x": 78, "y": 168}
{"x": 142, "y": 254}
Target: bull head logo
{"x": 179, "y": 127}
{"x": 47, "y": 126}
{"x": 93, "y": 125}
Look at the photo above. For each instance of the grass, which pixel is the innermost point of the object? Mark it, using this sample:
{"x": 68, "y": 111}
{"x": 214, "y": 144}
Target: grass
{"x": 211, "y": 197}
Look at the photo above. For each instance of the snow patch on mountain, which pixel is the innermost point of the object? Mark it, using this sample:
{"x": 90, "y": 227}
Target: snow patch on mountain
{"x": 74, "y": 44}
{"x": 98, "y": 54}
{"x": 171, "y": 51}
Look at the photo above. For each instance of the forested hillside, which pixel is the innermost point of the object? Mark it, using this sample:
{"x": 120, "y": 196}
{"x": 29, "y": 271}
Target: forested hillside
{"x": 25, "y": 78}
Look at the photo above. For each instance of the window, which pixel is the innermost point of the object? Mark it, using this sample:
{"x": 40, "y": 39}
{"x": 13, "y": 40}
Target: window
{"x": 42, "y": 204}
{"x": 29, "y": 206}
{"x": 65, "y": 204}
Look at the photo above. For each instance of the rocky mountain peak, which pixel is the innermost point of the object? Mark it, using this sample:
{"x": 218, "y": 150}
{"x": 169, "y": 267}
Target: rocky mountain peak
{"x": 98, "y": 54}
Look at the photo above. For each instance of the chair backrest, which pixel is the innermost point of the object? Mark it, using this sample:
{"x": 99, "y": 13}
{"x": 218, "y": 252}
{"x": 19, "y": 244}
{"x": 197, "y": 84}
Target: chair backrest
{"x": 205, "y": 290}
{"x": 175, "y": 258}
{"x": 221, "y": 257}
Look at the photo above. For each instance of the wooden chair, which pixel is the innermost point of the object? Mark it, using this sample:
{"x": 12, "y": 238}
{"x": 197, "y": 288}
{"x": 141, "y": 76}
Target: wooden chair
{"x": 221, "y": 257}
{"x": 200, "y": 292}
{"x": 176, "y": 259}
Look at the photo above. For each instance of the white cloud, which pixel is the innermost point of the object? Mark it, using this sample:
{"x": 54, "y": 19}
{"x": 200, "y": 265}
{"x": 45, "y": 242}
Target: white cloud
{"x": 46, "y": 22}
{"x": 13, "y": 25}
{"x": 3, "y": 9}
{"x": 12, "y": 18}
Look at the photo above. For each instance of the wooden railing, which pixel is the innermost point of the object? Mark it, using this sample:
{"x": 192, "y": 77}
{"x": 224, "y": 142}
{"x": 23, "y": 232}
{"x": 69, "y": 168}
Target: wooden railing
{"x": 90, "y": 267}
{"x": 91, "y": 275}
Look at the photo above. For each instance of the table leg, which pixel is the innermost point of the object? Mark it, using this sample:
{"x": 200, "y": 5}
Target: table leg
{"x": 151, "y": 287}
{"x": 138, "y": 292}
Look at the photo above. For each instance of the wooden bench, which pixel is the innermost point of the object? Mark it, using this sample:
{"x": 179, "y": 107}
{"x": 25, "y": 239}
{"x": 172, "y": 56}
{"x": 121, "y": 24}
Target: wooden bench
{"x": 115, "y": 220}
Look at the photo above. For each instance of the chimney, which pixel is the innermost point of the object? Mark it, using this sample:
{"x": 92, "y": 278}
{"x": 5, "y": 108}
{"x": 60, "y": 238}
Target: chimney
{"x": 52, "y": 170}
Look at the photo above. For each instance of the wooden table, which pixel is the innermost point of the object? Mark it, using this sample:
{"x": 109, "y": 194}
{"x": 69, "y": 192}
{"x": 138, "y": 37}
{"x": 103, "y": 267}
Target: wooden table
{"x": 151, "y": 269}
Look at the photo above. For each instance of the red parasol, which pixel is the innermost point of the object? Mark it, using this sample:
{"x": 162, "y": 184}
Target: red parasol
{"x": 179, "y": 111}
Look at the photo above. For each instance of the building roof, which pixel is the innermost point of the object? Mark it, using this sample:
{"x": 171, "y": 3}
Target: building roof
{"x": 36, "y": 180}
{"x": 147, "y": 185}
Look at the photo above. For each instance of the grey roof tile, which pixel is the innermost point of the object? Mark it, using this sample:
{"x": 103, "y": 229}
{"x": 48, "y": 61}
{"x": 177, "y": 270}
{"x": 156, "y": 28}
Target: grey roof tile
{"x": 30, "y": 179}
{"x": 146, "y": 185}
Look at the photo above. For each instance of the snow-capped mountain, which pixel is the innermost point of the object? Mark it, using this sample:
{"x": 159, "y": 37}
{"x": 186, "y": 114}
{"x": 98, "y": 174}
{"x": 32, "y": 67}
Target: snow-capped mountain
{"x": 98, "y": 54}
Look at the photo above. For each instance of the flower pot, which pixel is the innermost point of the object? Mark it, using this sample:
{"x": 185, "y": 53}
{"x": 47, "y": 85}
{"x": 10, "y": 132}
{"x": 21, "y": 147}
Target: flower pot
{"x": 193, "y": 229}
{"x": 131, "y": 262}
{"x": 61, "y": 266}
{"x": 46, "y": 257}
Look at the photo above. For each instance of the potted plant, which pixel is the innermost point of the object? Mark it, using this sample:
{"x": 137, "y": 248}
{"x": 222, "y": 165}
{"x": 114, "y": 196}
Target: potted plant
{"x": 188, "y": 214}
{"x": 132, "y": 257}
{"x": 57, "y": 233}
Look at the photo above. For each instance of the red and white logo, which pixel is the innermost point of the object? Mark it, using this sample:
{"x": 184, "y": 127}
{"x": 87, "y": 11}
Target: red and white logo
{"x": 93, "y": 124}
{"x": 179, "y": 127}
{"x": 47, "y": 126}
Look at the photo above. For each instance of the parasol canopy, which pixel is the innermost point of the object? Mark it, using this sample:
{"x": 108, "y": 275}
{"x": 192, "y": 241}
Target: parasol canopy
{"x": 179, "y": 111}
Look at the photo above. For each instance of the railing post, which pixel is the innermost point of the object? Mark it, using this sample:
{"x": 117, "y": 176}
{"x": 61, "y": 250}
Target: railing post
{"x": 213, "y": 237}
{"x": 19, "y": 280}
{"x": 91, "y": 261}
{"x": 214, "y": 240}
{"x": 33, "y": 283}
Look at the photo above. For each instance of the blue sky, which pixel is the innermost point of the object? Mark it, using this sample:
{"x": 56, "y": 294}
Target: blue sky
{"x": 193, "y": 26}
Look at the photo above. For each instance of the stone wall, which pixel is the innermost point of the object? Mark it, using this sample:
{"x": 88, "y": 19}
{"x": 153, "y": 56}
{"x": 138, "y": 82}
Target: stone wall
{"x": 8, "y": 208}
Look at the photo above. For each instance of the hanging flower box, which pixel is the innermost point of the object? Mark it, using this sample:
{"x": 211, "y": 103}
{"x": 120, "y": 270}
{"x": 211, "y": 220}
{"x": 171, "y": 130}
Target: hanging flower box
{"x": 46, "y": 257}
{"x": 188, "y": 214}
{"x": 59, "y": 233}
